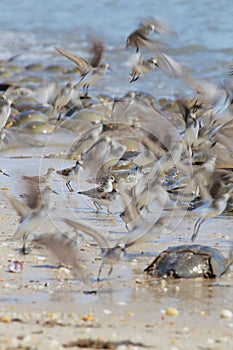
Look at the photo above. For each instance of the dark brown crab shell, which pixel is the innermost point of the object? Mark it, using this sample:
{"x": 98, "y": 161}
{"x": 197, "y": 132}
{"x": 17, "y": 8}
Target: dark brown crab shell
{"x": 188, "y": 261}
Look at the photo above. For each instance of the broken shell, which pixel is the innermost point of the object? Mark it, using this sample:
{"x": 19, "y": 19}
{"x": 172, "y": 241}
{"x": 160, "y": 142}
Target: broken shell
{"x": 5, "y": 319}
{"x": 15, "y": 266}
{"x": 89, "y": 318}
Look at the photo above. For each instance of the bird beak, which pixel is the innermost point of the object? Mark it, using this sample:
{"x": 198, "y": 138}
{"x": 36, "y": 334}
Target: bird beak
{"x": 122, "y": 246}
{"x": 3, "y": 173}
{"x": 79, "y": 162}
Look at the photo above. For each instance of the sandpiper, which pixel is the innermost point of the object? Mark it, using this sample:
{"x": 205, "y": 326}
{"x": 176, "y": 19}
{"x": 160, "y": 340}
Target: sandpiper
{"x": 91, "y": 72}
{"x": 85, "y": 142}
{"x": 213, "y": 204}
{"x": 140, "y": 37}
{"x": 61, "y": 99}
{"x": 70, "y": 173}
{"x": 142, "y": 66}
{"x": 203, "y": 174}
{"x": 92, "y": 77}
{"x": 106, "y": 153}
{"x": 111, "y": 255}
{"x": 5, "y": 111}
{"x": 39, "y": 180}
{"x": 131, "y": 214}
{"x": 216, "y": 98}
{"x": 33, "y": 212}
{"x": 192, "y": 126}
{"x": 99, "y": 151}
{"x": 104, "y": 195}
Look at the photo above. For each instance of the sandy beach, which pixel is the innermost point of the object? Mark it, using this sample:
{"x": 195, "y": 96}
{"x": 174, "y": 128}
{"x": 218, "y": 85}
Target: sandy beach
{"x": 44, "y": 306}
{"x": 165, "y": 112}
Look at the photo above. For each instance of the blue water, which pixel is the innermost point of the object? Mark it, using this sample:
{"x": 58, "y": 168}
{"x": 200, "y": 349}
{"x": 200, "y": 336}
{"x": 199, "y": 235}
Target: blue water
{"x": 197, "y": 22}
{"x": 204, "y": 32}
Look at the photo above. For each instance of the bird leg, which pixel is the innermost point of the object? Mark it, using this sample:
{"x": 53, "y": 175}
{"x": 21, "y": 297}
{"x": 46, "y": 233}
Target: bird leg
{"x": 24, "y": 249}
{"x": 98, "y": 207}
{"x": 68, "y": 185}
{"x": 100, "y": 269}
{"x": 85, "y": 91}
{"x": 134, "y": 78}
{"x": 197, "y": 226}
{"x": 108, "y": 211}
{"x": 110, "y": 271}
{"x": 59, "y": 115}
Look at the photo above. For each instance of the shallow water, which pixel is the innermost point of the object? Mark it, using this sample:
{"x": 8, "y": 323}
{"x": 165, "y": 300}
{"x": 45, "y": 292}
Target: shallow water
{"x": 203, "y": 44}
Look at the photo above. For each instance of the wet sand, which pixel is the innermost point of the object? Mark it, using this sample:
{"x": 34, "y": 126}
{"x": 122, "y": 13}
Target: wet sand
{"x": 44, "y": 306}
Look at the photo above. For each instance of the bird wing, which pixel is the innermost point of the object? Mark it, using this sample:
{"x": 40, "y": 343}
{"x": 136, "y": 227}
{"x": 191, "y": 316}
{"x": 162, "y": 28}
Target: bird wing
{"x": 131, "y": 213}
{"x": 135, "y": 60}
{"x": 65, "y": 172}
{"x": 97, "y": 49}
{"x": 211, "y": 96}
{"x": 144, "y": 233}
{"x": 170, "y": 66}
{"x": 139, "y": 38}
{"x": 33, "y": 195}
{"x": 88, "y": 138}
{"x": 102, "y": 242}
{"x": 156, "y": 25}
{"x": 20, "y": 207}
{"x": 184, "y": 110}
{"x": 61, "y": 245}
{"x": 82, "y": 64}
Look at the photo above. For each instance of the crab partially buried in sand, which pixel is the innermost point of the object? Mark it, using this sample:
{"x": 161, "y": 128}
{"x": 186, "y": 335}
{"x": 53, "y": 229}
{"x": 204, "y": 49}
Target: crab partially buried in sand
{"x": 190, "y": 261}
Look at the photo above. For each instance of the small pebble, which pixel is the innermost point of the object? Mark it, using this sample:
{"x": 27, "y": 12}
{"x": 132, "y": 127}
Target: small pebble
{"x": 134, "y": 262}
{"x": 107, "y": 312}
{"x": 226, "y": 314}
{"x": 171, "y": 311}
{"x": 40, "y": 258}
{"x": 210, "y": 344}
{"x": 163, "y": 311}
{"x": 122, "y": 347}
{"x": 186, "y": 329}
{"x": 26, "y": 340}
{"x": 5, "y": 319}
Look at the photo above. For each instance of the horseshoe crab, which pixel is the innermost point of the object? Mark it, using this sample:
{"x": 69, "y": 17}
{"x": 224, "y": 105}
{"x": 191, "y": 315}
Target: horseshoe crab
{"x": 190, "y": 261}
